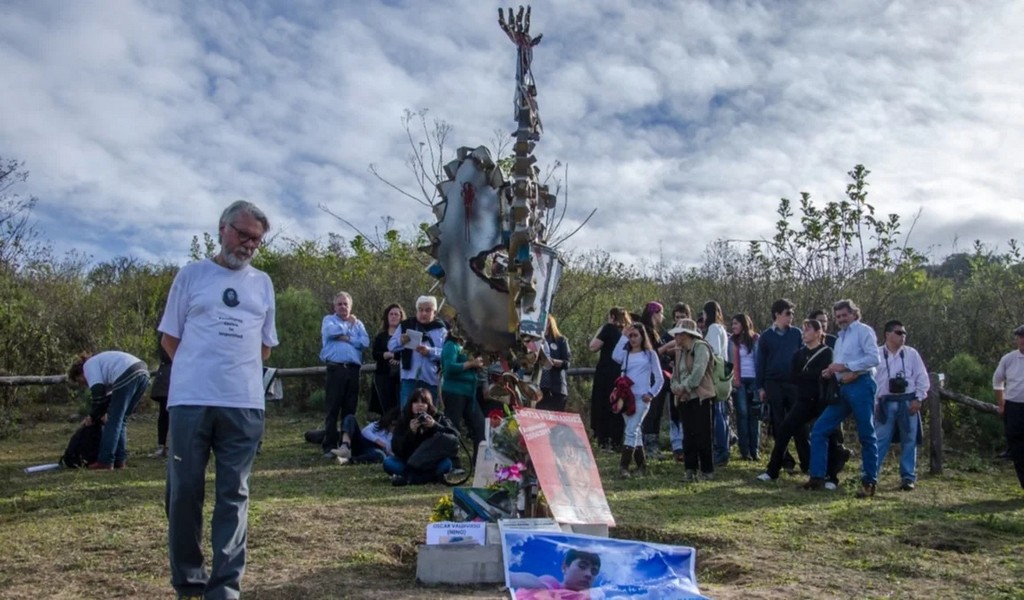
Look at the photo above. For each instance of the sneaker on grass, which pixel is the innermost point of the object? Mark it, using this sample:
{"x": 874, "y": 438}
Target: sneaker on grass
{"x": 765, "y": 477}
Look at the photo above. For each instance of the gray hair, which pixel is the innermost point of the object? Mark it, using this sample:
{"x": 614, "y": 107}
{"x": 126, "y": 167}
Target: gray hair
{"x": 847, "y": 304}
{"x": 430, "y": 301}
{"x": 346, "y": 295}
{"x": 244, "y": 206}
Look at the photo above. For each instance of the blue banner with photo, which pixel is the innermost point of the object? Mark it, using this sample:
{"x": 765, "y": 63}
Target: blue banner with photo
{"x": 544, "y": 565}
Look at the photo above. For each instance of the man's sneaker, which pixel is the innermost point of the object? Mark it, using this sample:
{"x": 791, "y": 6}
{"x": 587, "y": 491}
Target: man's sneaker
{"x": 831, "y": 486}
{"x": 907, "y": 485}
{"x": 867, "y": 490}
{"x": 160, "y": 452}
{"x": 119, "y": 464}
{"x": 342, "y": 461}
{"x": 98, "y": 466}
{"x": 814, "y": 484}
{"x": 765, "y": 477}
{"x": 399, "y": 480}
{"x": 707, "y": 476}
{"x": 690, "y": 476}
{"x": 342, "y": 451}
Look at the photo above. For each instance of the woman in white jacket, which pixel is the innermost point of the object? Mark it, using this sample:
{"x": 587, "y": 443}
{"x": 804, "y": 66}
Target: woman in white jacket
{"x": 640, "y": 363}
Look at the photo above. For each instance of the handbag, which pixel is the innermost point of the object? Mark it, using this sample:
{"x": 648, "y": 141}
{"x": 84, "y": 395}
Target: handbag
{"x": 622, "y": 398}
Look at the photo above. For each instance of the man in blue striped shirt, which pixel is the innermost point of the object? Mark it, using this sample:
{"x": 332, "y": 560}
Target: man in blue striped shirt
{"x": 344, "y": 339}
{"x": 855, "y": 356}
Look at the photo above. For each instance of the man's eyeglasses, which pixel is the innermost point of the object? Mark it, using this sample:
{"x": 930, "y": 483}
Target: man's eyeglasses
{"x": 244, "y": 238}
{"x": 899, "y": 332}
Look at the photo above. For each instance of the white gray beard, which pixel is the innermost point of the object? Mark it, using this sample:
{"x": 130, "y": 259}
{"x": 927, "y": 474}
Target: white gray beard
{"x": 233, "y": 262}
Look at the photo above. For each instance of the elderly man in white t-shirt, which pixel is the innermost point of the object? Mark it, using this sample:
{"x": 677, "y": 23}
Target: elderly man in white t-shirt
{"x": 218, "y": 328}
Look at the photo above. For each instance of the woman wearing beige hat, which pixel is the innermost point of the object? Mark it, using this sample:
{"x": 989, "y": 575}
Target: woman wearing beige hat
{"x": 694, "y": 392}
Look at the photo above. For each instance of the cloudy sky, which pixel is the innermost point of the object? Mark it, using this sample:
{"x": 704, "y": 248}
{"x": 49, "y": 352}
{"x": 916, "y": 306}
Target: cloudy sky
{"x": 681, "y": 122}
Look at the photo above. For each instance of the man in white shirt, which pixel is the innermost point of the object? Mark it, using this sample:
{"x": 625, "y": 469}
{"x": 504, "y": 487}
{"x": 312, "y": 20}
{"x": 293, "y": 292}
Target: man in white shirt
{"x": 1008, "y": 382}
{"x": 218, "y": 328}
{"x": 903, "y": 384}
{"x": 854, "y": 361}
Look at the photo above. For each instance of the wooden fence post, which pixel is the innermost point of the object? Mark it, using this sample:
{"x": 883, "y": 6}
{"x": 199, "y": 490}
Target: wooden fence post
{"x": 935, "y": 426}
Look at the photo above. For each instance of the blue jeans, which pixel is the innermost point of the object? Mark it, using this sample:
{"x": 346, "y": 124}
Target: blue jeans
{"x": 748, "y": 418}
{"x": 232, "y": 434}
{"x": 408, "y": 386}
{"x": 897, "y": 414}
{"x": 396, "y": 466}
{"x": 857, "y": 398}
{"x": 632, "y": 436}
{"x": 720, "y": 416}
{"x": 114, "y": 440}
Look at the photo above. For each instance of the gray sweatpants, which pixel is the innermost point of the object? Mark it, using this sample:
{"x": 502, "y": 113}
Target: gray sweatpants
{"x": 233, "y": 435}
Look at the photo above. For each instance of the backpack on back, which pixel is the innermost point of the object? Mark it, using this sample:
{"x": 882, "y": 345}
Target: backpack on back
{"x": 721, "y": 377}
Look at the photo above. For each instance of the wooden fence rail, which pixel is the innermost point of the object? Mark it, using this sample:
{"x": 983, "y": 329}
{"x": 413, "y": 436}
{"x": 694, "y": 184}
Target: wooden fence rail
{"x": 932, "y": 408}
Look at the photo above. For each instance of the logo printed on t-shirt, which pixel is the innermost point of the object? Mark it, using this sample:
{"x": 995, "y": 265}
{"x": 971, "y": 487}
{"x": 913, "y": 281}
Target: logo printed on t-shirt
{"x": 230, "y": 297}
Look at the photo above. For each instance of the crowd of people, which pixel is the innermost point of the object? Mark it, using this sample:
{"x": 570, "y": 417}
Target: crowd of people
{"x": 721, "y": 384}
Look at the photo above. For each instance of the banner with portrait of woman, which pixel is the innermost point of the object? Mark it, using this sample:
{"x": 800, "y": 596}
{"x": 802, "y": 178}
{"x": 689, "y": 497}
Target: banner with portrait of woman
{"x": 565, "y": 466}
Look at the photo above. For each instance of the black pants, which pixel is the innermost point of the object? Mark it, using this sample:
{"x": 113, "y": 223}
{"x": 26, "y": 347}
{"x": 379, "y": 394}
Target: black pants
{"x": 162, "y": 421}
{"x": 385, "y": 386}
{"x": 553, "y": 401}
{"x": 652, "y": 421}
{"x": 1013, "y": 419}
{"x": 341, "y": 398}
{"x": 781, "y": 396}
{"x": 461, "y": 409}
{"x": 696, "y": 416}
{"x": 796, "y": 427}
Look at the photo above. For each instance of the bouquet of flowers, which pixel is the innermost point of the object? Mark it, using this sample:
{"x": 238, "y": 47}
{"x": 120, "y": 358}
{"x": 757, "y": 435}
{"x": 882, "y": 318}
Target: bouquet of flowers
{"x": 443, "y": 510}
{"x": 506, "y": 439}
{"x": 508, "y": 483}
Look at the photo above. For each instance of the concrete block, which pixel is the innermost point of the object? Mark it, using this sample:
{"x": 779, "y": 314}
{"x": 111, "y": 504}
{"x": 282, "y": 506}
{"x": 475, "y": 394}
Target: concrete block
{"x": 597, "y": 529}
{"x": 460, "y": 564}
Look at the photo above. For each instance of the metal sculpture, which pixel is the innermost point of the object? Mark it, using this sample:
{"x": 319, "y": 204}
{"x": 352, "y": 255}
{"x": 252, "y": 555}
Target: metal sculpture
{"x": 489, "y": 242}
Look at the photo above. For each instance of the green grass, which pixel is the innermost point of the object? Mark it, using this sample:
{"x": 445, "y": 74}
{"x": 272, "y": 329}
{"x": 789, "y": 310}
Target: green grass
{"x": 321, "y": 531}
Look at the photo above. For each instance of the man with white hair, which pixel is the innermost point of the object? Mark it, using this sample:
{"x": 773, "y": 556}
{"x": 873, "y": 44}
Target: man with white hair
{"x": 418, "y": 342}
{"x": 218, "y": 328}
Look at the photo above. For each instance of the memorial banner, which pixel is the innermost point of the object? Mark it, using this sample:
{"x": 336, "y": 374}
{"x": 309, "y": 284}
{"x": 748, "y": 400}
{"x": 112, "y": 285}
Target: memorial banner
{"x": 565, "y": 466}
{"x": 542, "y": 566}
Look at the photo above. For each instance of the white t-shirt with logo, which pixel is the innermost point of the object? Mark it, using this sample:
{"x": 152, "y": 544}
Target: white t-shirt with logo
{"x": 223, "y": 318}
{"x": 106, "y": 367}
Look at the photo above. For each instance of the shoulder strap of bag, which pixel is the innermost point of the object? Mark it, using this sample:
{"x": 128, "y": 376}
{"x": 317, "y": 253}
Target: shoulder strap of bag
{"x": 814, "y": 356}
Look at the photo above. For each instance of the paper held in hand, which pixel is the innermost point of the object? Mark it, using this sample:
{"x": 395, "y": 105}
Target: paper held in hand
{"x": 415, "y": 339}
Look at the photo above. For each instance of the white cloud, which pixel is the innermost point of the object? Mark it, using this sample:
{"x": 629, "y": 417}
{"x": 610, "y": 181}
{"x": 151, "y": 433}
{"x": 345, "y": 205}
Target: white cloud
{"x": 136, "y": 117}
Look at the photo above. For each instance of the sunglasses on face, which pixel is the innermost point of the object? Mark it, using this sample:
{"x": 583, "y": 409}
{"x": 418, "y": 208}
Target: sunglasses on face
{"x": 899, "y": 332}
